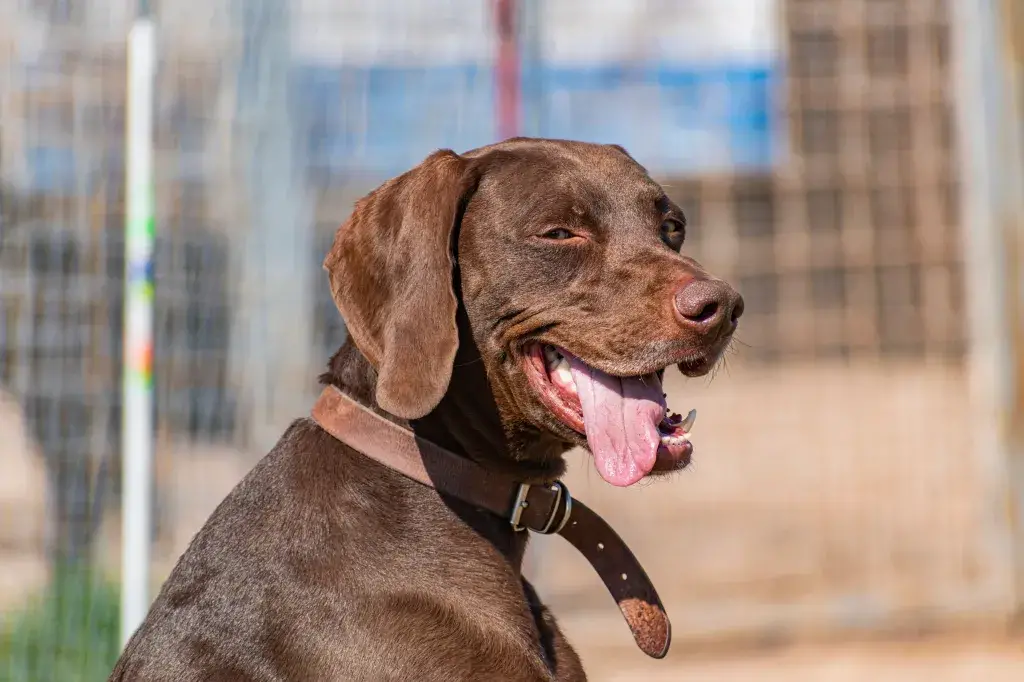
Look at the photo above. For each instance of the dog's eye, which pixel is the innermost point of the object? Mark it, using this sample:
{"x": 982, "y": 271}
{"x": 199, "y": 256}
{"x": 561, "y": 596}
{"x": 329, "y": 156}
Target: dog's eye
{"x": 558, "y": 233}
{"x": 673, "y": 233}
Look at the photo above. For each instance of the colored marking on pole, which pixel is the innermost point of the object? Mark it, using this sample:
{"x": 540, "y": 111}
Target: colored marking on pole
{"x": 141, "y": 228}
{"x": 141, "y": 272}
{"x": 140, "y": 370}
{"x": 141, "y": 234}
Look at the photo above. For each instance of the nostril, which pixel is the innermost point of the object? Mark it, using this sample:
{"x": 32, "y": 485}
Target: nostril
{"x": 737, "y": 310}
{"x": 706, "y": 313}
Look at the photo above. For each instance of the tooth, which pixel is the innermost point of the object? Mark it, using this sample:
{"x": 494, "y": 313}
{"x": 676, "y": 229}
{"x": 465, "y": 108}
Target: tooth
{"x": 687, "y": 423}
{"x": 549, "y": 355}
{"x": 563, "y": 374}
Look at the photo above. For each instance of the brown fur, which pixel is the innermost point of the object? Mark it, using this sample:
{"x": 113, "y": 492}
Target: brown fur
{"x": 324, "y": 565}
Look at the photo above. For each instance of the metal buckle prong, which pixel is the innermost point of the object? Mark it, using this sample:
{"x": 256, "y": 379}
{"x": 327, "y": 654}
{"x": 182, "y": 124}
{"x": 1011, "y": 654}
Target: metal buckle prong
{"x": 521, "y": 503}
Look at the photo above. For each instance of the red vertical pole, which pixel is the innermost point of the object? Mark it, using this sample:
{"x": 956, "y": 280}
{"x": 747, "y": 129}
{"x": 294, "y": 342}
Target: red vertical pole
{"x": 507, "y": 81}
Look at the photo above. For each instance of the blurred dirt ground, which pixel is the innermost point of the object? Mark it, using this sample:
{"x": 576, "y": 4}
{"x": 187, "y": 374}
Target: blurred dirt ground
{"x": 822, "y": 494}
{"x": 939, "y": 659}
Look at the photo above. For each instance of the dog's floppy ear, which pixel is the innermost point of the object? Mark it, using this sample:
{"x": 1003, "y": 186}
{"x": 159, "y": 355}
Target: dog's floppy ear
{"x": 622, "y": 150}
{"x": 390, "y": 271}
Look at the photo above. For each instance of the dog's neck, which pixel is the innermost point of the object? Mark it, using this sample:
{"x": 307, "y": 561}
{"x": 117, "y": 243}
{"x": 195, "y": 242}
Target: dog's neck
{"x": 466, "y": 422}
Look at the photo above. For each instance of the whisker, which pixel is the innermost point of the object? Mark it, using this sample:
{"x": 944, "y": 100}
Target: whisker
{"x": 739, "y": 341}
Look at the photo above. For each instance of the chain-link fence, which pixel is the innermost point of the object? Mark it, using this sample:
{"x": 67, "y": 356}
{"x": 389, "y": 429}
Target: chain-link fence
{"x": 813, "y": 144}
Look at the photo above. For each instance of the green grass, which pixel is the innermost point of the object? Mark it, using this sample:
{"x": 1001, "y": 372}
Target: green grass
{"x": 69, "y": 633}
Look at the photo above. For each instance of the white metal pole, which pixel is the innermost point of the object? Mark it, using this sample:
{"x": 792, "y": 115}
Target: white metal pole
{"x": 137, "y": 388}
{"x": 981, "y": 105}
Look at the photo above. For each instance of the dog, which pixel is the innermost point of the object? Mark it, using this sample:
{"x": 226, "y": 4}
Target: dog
{"x": 506, "y": 305}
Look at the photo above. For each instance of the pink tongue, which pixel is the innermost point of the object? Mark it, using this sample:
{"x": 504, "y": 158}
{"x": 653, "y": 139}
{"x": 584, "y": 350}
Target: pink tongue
{"x": 621, "y": 418}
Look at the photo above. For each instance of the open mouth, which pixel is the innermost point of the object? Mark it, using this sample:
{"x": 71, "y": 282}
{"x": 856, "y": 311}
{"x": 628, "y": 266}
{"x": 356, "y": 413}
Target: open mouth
{"x": 626, "y": 421}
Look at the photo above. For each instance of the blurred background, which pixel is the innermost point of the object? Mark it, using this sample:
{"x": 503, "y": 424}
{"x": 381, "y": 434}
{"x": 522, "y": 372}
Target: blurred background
{"x": 854, "y": 167}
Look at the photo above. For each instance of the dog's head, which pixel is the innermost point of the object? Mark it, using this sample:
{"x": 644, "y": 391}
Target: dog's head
{"x": 568, "y": 260}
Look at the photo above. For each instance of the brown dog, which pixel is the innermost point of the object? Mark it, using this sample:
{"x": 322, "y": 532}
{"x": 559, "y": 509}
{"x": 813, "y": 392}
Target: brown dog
{"x": 511, "y": 302}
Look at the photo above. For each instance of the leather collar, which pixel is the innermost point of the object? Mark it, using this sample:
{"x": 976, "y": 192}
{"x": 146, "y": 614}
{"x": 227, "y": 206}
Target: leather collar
{"x": 542, "y": 508}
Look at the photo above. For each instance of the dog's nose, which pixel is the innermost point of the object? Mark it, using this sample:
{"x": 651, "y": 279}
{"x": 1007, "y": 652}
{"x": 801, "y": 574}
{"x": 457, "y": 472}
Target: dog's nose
{"x": 709, "y": 307}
